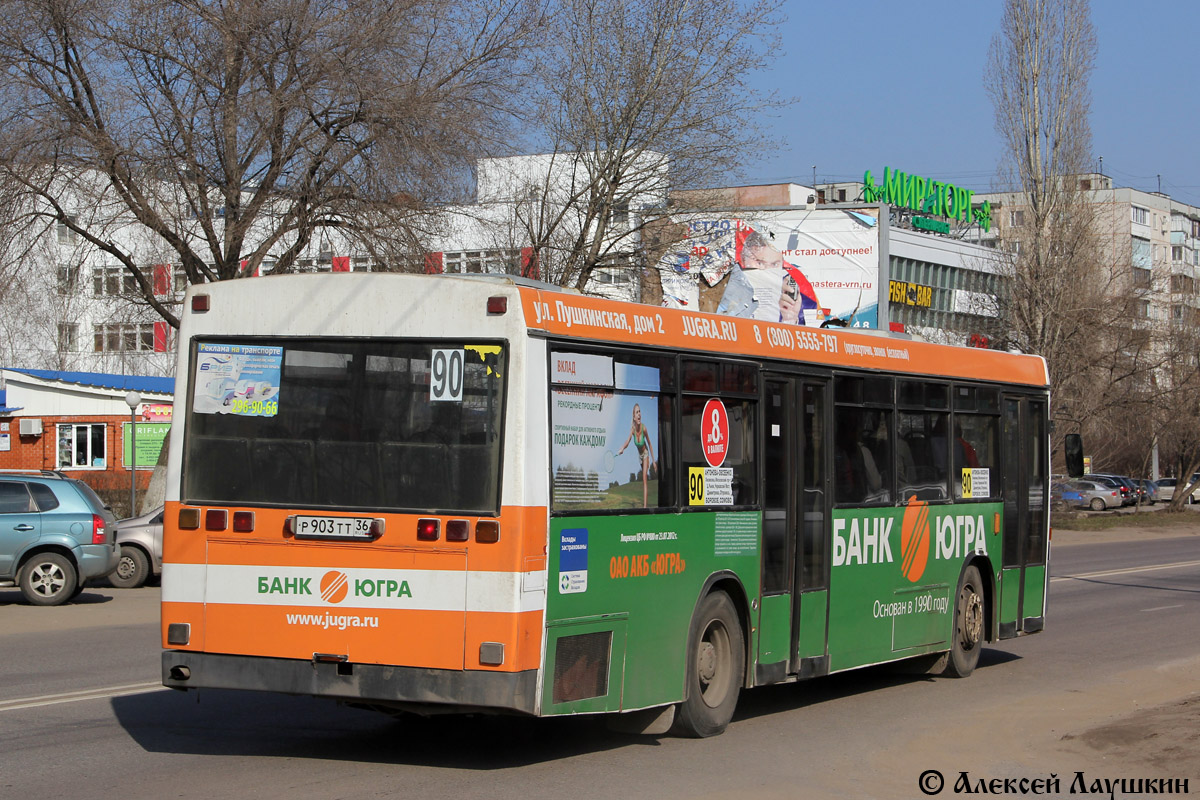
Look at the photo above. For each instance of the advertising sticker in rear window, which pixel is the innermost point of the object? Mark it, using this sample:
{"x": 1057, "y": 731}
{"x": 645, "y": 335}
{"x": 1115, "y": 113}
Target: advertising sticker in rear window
{"x": 237, "y": 379}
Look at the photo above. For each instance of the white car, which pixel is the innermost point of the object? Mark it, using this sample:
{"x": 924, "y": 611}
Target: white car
{"x": 1166, "y": 490}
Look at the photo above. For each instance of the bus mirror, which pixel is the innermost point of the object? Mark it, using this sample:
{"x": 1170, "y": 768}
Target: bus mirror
{"x": 1073, "y": 449}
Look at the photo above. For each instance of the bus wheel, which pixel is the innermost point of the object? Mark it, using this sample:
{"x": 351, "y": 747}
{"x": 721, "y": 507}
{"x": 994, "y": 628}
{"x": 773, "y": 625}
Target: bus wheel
{"x": 715, "y": 669}
{"x": 968, "y": 626}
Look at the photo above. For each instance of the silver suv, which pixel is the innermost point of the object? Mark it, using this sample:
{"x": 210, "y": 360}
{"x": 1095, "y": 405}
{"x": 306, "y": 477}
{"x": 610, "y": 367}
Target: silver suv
{"x": 55, "y": 535}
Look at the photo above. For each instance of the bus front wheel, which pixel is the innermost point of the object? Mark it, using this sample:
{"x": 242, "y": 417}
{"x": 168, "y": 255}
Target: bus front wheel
{"x": 715, "y": 669}
{"x": 967, "y": 639}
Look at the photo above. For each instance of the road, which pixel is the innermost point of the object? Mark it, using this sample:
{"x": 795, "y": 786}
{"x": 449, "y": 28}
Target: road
{"x": 1111, "y": 689}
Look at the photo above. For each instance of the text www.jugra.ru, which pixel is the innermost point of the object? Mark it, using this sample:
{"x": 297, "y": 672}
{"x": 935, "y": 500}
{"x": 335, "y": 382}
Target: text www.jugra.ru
{"x": 339, "y": 621}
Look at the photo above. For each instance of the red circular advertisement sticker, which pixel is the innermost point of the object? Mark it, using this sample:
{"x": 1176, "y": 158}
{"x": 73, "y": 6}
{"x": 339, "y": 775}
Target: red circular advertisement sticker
{"x": 714, "y": 427}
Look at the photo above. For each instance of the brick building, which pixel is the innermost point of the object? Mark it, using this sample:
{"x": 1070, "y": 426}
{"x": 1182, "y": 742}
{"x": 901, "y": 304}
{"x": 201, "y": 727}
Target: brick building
{"x": 78, "y": 422}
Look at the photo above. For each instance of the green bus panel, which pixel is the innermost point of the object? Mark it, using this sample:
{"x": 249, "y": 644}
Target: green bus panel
{"x": 894, "y": 574}
{"x": 1010, "y": 594}
{"x": 601, "y": 668}
{"x": 646, "y": 573}
{"x": 813, "y": 609}
{"x": 1035, "y": 590}
{"x": 776, "y": 617}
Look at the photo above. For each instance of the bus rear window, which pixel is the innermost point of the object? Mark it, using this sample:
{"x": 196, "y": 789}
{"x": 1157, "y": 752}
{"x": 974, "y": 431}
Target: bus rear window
{"x": 348, "y": 424}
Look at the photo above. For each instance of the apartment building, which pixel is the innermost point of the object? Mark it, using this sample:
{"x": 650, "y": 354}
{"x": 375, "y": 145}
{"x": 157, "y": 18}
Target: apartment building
{"x": 1150, "y": 241}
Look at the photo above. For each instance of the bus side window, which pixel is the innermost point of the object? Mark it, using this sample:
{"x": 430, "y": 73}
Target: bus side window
{"x": 977, "y": 446}
{"x": 861, "y": 443}
{"x": 921, "y": 466}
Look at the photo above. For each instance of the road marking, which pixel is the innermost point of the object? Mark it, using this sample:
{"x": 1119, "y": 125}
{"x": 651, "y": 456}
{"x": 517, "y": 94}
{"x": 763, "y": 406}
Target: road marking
{"x": 86, "y": 694}
{"x": 1130, "y": 571}
{"x": 1163, "y": 608}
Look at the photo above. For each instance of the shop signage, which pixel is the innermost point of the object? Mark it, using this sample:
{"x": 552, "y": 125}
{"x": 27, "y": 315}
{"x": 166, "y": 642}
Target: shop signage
{"x": 910, "y": 294}
{"x": 926, "y": 196}
{"x": 934, "y": 225}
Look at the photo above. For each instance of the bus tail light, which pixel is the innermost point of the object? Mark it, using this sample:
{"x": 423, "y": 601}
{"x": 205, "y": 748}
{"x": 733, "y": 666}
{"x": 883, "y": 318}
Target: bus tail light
{"x": 216, "y": 519}
{"x": 487, "y": 531}
{"x": 243, "y": 521}
{"x": 497, "y": 305}
{"x": 427, "y": 530}
{"x": 189, "y": 519}
{"x": 99, "y": 535}
{"x": 200, "y": 303}
{"x": 458, "y": 530}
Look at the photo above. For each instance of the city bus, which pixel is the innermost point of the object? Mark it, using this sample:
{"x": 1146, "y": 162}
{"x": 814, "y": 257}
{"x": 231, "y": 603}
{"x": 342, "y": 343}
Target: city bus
{"x": 442, "y": 494}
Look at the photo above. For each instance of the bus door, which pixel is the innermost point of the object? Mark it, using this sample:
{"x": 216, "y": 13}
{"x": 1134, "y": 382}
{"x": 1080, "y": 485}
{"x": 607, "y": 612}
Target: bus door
{"x": 795, "y": 573}
{"x": 1025, "y": 462}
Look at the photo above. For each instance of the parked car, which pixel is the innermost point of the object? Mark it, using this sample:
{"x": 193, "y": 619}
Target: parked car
{"x": 1149, "y": 490}
{"x": 1063, "y": 494}
{"x": 1167, "y": 487}
{"x": 140, "y": 539}
{"x": 1120, "y": 483}
{"x": 1096, "y": 495}
{"x": 56, "y": 534}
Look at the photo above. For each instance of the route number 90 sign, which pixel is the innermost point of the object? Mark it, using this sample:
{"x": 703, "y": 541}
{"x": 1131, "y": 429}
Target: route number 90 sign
{"x": 446, "y": 376}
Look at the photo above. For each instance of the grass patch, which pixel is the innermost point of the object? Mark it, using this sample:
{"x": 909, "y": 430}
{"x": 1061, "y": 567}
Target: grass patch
{"x": 1075, "y": 521}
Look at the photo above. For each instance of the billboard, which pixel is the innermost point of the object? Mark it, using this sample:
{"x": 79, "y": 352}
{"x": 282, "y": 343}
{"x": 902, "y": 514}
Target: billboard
{"x": 806, "y": 267}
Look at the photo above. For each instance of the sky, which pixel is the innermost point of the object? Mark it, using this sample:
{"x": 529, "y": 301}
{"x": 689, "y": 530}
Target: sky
{"x": 900, "y": 84}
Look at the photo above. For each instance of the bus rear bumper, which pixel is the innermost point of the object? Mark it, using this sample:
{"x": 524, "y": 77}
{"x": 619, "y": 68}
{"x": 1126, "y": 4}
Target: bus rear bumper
{"x": 410, "y": 688}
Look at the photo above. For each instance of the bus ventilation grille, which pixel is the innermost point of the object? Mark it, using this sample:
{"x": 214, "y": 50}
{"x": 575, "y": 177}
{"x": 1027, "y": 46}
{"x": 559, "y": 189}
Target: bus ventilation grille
{"x": 581, "y": 666}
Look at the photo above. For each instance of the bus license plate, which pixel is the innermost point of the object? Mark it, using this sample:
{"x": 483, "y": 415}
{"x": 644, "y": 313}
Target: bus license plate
{"x": 332, "y": 527}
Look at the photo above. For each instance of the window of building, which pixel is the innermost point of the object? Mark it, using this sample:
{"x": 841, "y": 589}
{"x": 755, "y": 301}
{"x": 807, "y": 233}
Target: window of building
{"x": 1177, "y": 253}
{"x": 1141, "y": 254}
{"x": 1144, "y": 309}
{"x": 68, "y": 337}
{"x": 620, "y": 215}
{"x": 490, "y": 262}
{"x": 82, "y": 446}
{"x": 1140, "y": 216}
{"x": 113, "y": 281}
{"x": 68, "y": 279}
{"x": 1141, "y": 278}
{"x": 1016, "y": 218}
{"x": 65, "y": 234}
{"x": 611, "y": 276}
{"x": 117, "y": 337}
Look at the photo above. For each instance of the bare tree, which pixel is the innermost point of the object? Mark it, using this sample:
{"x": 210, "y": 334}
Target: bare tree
{"x": 234, "y": 132}
{"x": 1070, "y": 295}
{"x": 636, "y": 94}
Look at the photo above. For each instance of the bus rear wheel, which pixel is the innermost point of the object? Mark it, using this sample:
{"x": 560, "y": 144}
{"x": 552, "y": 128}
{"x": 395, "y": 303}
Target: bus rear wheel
{"x": 967, "y": 641}
{"x": 715, "y": 669}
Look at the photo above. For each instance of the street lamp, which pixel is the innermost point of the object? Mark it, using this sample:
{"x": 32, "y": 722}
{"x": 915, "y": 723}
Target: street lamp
{"x": 133, "y": 400}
